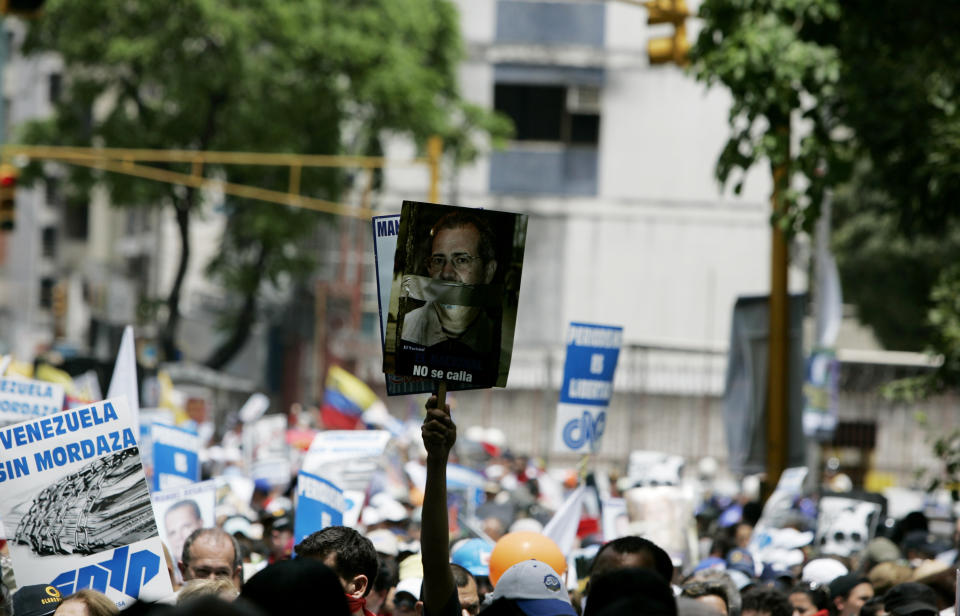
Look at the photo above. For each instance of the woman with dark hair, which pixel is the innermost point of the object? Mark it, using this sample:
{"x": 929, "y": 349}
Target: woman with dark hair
{"x": 810, "y": 599}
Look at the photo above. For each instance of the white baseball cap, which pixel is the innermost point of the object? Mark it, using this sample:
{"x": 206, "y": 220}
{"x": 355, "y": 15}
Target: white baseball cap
{"x": 410, "y": 585}
{"x": 535, "y": 588}
{"x": 384, "y": 541}
{"x": 822, "y": 570}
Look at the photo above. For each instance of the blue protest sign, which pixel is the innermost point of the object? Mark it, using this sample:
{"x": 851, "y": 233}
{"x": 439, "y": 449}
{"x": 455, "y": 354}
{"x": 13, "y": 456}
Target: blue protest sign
{"x": 176, "y": 459}
{"x": 319, "y": 504}
{"x": 592, "y": 353}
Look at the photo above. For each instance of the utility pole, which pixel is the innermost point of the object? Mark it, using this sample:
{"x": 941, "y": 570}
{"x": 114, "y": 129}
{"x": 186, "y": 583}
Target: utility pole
{"x": 778, "y": 345}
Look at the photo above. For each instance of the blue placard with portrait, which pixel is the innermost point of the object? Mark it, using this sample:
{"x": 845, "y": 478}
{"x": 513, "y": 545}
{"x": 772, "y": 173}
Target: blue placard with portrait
{"x": 176, "y": 456}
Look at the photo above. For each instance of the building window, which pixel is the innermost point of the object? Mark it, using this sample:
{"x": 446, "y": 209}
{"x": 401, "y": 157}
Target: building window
{"x": 49, "y": 243}
{"x": 75, "y": 219}
{"x": 55, "y": 87}
{"x": 46, "y": 292}
{"x": 564, "y": 114}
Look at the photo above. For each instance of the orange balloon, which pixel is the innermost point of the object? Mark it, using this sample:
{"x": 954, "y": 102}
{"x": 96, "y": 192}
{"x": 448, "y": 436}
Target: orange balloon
{"x": 517, "y": 547}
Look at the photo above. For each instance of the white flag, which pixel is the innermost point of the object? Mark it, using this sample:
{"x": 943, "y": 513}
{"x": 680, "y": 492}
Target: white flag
{"x": 124, "y": 379}
{"x": 562, "y": 527}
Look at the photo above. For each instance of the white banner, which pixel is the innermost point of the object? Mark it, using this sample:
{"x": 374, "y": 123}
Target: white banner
{"x": 22, "y": 399}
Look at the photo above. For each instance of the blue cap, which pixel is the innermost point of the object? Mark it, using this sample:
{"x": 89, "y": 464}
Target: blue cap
{"x": 474, "y": 556}
{"x": 740, "y": 560}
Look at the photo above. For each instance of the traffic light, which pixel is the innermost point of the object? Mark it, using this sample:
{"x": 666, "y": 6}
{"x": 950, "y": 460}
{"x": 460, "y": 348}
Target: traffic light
{"x": 668, "y": 48}
{"x": 8, "y": 190}
{"x": 23, "y": 8}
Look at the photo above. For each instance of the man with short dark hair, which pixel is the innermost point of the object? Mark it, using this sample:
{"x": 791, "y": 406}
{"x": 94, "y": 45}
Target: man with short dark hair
{"x": 632, "y": 551}
{"x": 849, "y": 593}
{"x": 351, "y": 556}
{"x": 765, "y": 601}
{"x": 212, "y": 553}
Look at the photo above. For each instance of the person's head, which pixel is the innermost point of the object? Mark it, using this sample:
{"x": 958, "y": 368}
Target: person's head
{"x": 695, "y": 607}
{"x": 531, "y": 588}
{"x": 280, "y": 535}
{"x": 849, "y": 593}
{"x": 713, "y": 593}
{"x": 351, "y": 556}
{"x": 632, "y": 551}
{"x": 873, "y": 607}
{"x": 765, "y": 601}
{"x": 217, "y": 587}
{"x": 212, "y": 553}
{"x": 466, "y": 590}
{"x": 493, "y": 527}
{"x": 299, "y": 586}
{"x": 380, "y": 597}
{"x": 807, "y": 599}
{"x": 910, "y": 599}
{"x": 462, "y": 249}
{"x": 635, "y": 583}
{"x": 406, "y": 600}
{"x": 180, "y": 520}
{"x": 87, "y": 602}
{"x": 36, "y": 600}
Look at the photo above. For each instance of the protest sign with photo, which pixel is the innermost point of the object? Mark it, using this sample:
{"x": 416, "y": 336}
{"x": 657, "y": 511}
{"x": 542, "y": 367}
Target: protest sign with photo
{"x": 592, "y": 353}
{"x": 74, "y": 501}
{"x": 385, "y": 232}
{"x": 22, "y": 399}
{"x": 265, "y": 450}
{"x": 183, "y": 509}
{"x": 348, "y": 458}
{"x": 176, "y": 456}
{"x": 319, "y": 504}
{"x": 453, "y": 301}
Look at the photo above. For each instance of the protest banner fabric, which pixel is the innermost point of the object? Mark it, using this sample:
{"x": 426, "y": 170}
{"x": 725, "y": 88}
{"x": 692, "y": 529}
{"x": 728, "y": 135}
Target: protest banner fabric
{"x": 453, "y": 303}
{"x": 22, "y": 399}
{"x": 74, "y": 500}
{"x": 265, "y": 450}
{"x": 183, "y": 509}
{"x": 176, "y": 456}
{"x": 319, "y": 504}
{"x": 592, "y": 353}
{"x": 123, "y": 381}
{"x": 348, "y": 458}
{"x": 345, "y": 398}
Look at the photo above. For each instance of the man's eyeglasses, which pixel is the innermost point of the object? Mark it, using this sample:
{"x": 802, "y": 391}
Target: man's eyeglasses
{"x": 460, "y": 262}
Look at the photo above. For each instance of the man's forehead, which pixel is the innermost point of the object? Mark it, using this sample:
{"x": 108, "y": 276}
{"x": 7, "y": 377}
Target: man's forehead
{"x": 467, "y": 232}
{"x": 182, "y": 509}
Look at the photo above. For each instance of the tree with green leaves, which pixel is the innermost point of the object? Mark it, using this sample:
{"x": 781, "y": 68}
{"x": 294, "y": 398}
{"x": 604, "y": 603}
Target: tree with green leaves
{"x": 293, "y": 76}
{"x": 872, "y": 88}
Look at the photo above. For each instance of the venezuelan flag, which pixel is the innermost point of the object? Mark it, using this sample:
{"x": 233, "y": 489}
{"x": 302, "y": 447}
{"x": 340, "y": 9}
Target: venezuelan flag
{"x": 344, "y": 400}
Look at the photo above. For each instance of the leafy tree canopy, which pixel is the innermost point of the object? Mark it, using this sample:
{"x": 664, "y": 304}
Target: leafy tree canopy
{"x": 301, "y": 76}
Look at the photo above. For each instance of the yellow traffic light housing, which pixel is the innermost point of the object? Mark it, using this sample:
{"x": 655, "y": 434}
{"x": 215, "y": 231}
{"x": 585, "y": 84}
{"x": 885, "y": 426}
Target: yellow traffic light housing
{"x": 23, "y": 8}
{"x": 8, "y": 193}
{"x": 672, "y": 48}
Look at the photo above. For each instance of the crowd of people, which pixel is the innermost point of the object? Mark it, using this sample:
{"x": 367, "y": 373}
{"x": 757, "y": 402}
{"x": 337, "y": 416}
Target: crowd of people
{"x": 396, "y": 563}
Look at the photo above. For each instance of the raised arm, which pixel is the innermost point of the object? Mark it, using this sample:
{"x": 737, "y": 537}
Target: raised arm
{"x": 439, "y": 434}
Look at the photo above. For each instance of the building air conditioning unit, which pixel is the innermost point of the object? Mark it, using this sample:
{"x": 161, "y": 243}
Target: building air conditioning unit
{"x": 583, "y": 99}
